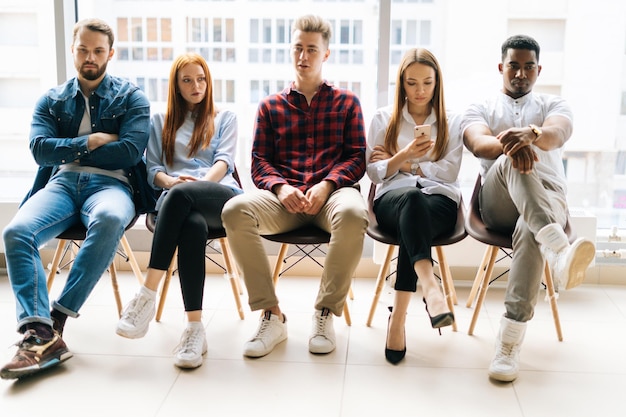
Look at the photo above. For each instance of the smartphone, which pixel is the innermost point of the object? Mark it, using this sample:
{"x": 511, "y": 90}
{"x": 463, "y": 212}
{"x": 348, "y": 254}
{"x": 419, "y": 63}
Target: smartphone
{"x": 421, "y": 130}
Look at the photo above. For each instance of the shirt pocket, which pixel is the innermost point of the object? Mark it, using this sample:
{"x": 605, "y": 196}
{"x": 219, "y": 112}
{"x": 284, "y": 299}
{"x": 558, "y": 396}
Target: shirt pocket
{"x": 112, "y": 115}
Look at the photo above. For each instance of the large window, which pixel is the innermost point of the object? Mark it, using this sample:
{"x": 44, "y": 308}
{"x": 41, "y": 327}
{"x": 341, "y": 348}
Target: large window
{"x": 246, "y": 43}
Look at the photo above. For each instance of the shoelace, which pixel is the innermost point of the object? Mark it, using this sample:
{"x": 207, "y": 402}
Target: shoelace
{"x": 263, "y": 329}
{"x": 505, "y": 350}
{"x": 191, "y": 338}
{"x": 320, "y": 325}
{"x": 133, "y": 313}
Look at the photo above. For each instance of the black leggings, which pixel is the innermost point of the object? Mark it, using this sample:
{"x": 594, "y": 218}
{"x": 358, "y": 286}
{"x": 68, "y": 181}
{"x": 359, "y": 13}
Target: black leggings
{"x": 188, "y": 212}
{"x": 414, "y": 218}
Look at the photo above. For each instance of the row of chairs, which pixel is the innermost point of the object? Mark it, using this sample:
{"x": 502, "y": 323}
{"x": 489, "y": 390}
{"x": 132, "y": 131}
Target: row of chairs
{"x": 310, "y": 239}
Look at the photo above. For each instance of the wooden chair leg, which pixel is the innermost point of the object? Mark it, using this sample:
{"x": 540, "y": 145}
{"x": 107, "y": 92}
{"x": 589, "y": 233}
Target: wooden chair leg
{"x": 493, "y": 253}
{"x": 56, "y": 260}
{"x": 278, "y": 267}
{"x": 380, "y": 283}
{"x": 233, "y": 275}
{"x": 131, "y": 259}
{"x": 553, "y": 304}
{"x": 116, "y": 288}
{"x": 446, "y": 280}
{"x": 165, "y": 287}
{"x": 346, "y": 314}
{"x": 478, "y": 279}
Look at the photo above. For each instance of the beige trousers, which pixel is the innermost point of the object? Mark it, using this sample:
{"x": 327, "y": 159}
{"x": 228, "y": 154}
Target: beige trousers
{"x": 248, "y": 216}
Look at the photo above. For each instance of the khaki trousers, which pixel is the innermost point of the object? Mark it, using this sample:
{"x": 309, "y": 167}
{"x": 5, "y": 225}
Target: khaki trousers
{"x": 521, "y": 204}
{"x": 248, "y": 216}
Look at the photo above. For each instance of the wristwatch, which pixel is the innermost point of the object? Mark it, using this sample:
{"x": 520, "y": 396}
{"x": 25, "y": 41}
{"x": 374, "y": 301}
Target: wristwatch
{"x": 536, "y": 130}
{"x": 414, "y": 167}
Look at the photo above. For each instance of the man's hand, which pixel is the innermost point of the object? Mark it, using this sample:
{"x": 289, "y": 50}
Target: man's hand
{"x": 524, "y": 160}
{"x": 514, "y": 139}
{"x": 318, "y": 195}
{"x": 292, "y": 198}
{"x": 97, "y": 139}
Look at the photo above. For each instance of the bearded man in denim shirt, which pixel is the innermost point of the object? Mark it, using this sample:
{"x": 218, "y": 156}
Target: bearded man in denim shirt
{"x": 86, "y": 135}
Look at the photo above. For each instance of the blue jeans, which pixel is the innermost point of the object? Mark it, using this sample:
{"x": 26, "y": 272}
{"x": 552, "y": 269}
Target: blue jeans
{"x": 103, "y": 204}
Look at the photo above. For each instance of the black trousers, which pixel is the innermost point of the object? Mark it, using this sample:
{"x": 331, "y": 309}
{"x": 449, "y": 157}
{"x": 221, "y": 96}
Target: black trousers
{"x": 415, "y": 219}
{"x": 188, "y": 212}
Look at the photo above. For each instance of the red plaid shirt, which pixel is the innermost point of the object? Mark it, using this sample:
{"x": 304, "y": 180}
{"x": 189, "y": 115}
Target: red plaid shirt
{"x": 300, "y": 144}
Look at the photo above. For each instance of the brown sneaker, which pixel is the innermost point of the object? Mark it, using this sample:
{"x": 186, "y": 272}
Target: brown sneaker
{"x": 35, "y": 354}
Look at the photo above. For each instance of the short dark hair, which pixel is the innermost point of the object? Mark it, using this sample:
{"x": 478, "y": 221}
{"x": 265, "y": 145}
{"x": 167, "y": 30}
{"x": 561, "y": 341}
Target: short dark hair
{"x": 520, "y": 42}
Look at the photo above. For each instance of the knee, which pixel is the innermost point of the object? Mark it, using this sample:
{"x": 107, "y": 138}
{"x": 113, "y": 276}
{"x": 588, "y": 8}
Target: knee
{"x": 353, "y": 218}
{"x": 176, "y": 195}
{"x": 109, "y": 220}
{"x": 15, "y": 232}
{"x": 233, "y": 211}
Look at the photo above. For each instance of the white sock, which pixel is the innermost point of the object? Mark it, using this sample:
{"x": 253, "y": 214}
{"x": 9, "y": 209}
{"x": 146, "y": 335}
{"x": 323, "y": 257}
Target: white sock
{"x": 195, "y": 324}
{"x": 148, "y": 292}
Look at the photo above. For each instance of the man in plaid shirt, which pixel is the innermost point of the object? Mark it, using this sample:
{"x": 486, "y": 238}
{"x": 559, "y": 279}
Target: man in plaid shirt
{"x": 308, "y": 152}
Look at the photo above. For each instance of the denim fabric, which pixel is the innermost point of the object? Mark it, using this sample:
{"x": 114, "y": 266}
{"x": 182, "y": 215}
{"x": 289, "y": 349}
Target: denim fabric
{"x": 116, "y": 106}
{"x": 103, "y": 204}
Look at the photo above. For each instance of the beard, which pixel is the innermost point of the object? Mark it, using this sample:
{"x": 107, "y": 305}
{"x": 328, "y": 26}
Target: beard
{"x": 92, "y": 74}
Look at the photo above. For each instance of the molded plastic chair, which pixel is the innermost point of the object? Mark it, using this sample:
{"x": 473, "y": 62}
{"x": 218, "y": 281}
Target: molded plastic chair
{"x": 375, "y": 232}
{"x": 68, "y": 240}
{"x": 495, "y": 242}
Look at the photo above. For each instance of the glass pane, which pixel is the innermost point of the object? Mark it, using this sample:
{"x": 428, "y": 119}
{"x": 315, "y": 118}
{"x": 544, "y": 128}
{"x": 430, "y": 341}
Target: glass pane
{"x": 152, "y": 29}
{"x": 254, "y": 30}
{"x": 137, "y": 29}
{"x": 166, "y": 30}
{"x": 122, "y": 29}
{"x": 230, "y": 30}
{"x": 217, "y": 30}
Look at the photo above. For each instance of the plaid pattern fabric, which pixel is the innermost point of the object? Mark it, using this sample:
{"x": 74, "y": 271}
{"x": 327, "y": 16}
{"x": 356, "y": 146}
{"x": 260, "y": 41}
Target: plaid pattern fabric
{"x": 302, "y": 145}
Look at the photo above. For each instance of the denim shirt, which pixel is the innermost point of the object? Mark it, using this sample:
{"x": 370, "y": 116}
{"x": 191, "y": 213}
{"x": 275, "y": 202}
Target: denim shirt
{"x": 117, "y": 106}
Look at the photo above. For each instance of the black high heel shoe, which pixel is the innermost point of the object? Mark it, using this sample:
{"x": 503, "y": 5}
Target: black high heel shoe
{"x": 394, "y": 356}
{"x": 440, "y": 320}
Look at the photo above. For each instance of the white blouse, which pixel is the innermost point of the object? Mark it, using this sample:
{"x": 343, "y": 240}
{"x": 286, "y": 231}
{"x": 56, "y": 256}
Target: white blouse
{"x": 440, "y": 177}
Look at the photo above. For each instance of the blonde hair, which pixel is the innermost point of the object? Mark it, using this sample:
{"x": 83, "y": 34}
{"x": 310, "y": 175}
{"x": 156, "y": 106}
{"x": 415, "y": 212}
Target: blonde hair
{"x": 315, "y": 24}
{"x": 204, "y": 112}
{"x": 422, "y": 56}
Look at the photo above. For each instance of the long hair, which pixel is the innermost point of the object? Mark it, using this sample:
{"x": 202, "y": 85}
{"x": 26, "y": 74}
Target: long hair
{"x": 422, "y": 56}
{"x": 204, "y": 112}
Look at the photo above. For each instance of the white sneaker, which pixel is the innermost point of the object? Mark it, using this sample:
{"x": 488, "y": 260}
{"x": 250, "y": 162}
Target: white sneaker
{"x": 505, "y": 364}
{"x": 136, "y": 317}
{"x": 569, "y": 266}
{"x": 188, "y": 353}
{"x": 271, "y": 332}
{"x": 322, "y": 338}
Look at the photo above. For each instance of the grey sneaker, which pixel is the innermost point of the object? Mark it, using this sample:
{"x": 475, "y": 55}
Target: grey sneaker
{"x": 271, "y": 332}
{"x": 322, "y": 338}
{"x": 188, "y": 353}
{"x": 136, "y": 317}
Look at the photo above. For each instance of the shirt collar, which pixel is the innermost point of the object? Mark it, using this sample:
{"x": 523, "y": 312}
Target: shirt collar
{"x": 431, "y": 119}
{"x": 520, "y": 100}
{"x": 325, "y": 85}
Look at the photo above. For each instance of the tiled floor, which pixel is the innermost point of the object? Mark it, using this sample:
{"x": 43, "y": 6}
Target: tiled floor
{"x": 441, "y": 376}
